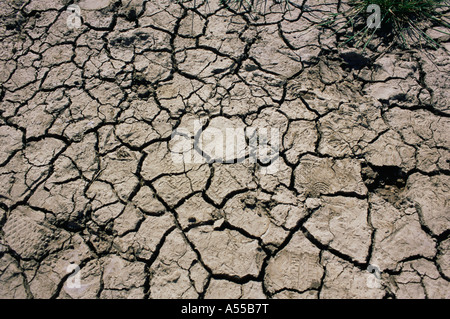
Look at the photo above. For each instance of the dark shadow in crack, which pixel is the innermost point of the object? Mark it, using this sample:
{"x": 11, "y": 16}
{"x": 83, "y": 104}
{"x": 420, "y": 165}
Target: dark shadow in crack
{"x": 386, "y": 181}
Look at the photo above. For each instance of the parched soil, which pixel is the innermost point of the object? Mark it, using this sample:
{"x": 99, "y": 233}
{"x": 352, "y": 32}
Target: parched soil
{"x": 95, "y": 204}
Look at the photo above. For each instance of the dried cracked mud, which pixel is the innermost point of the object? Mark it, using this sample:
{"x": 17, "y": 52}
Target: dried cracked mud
{"x": 92, "y": 204}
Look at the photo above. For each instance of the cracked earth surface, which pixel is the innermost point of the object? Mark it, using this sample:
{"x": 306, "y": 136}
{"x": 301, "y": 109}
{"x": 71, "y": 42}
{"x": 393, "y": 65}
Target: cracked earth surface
{"x": 87, "y": 178}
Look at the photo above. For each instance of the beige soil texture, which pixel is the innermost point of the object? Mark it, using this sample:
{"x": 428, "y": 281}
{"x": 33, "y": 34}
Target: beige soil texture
{"x": 95, "y": 204}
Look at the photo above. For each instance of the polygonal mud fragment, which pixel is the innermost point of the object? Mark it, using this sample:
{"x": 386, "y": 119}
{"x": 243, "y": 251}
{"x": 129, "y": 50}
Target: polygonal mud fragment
{"x": 57, "y": 55}
{"x": 173, "y": 94}
{"x": 105, "y": 214}
{"x": 146, "y": 200}
{"x": 329, "y": 72}
{"x": 67, "y": 201}
{"x": 341, "y": 223}
{"x": 318, "y": 98}
{"x": 343, "y": 280}
{"x": 11, "y": 140}
{"x": 295, "y": 109}
{"x": 427, "y": 131}
{"x": 89, "y": 282}
{"x": 267, "y": 120}
{"x": 221, "y": 34}
{"x": 34, "y": 118}
{"x": 21, "y": 77}
{"x": 289, "y": 294}
{"x": 395, "y": 91}
{"x": 419, "y": 127}
{"x": 398, "y": 235}
{"x": 7, "y": 68}
{"x": 128, "y": 220}
{"x": 389, "y": 66}
{"x": 390, "y": 150}
{"x": 313, "y": 203}
{"x": 303, "y": 36}
{"x": 223, "y": 289}
{"x": 121, "y": 274}
{"x": 347, "y": 130}
{"x": 173, "y": 89}
{"x": 287, "y": 215}
{"x": 141, "y": 110}
{"x": 22, "y": 94}
{"x": 64, "y": 74}
{"x": 173, "y": 188}
{"x": 132, "y": 293}
{"x": 192, "y": 25}
{"x": 98, "y": 18}
{"x": 432, "y": 159}
{"x": 170, "y": 275}
{"x": 196, "y": 210}
{"x": 300, "y": 138}
{"x": 436, "y": 288}
{"x": 46, "y": 282}
{"x": 251, "y": 212}
{"x": 42, "y": 152}
{"x": 83, "y": 155}
{"x": 93, "y": 5}
{"x": 13, "y": 185}
{"x": 107, "y": 93}
{"x": 107, "y": 140}
{"x": 100, "y": 242}
{"x": 408, "y": 285}
{"x": 26, "y": 234}
{"x": 11, "y": 279}
{"x": 144, "y": 241}
{"x": 252, "y": 290}
{"x": 443, "y": 257}
{"x": 227, "y": 251}
{"x": 228, "y": 179}
{"x": 271, "y": 83}
{"x": 277, "y": 58}
{"x": 431, "y": 195}
{"x": 138, "y": 39}
{"x": 315, "y": 176}
{"x": 136, "y": 133}
{"x": 282, "y": 194}
{"x": 223, "y": 140}
{"x": 206, "y": 62}
{"x": 119, "y": 169}
{"x": 102, "y": 196}
{"x": 241, "y": 99}
{"x": 436, "y": 77}
{"x": 274, "y": 175}
{"x": 161, "y": 14}
{"x": 159, "y": 161}
{"x": 296, "y": 266}
{"x": 154, "y": 66}
{"x": 419, "y": 279}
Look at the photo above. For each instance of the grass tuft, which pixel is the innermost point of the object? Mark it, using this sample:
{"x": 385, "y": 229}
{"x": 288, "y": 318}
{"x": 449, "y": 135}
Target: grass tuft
{"x": 401, "y": 20}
